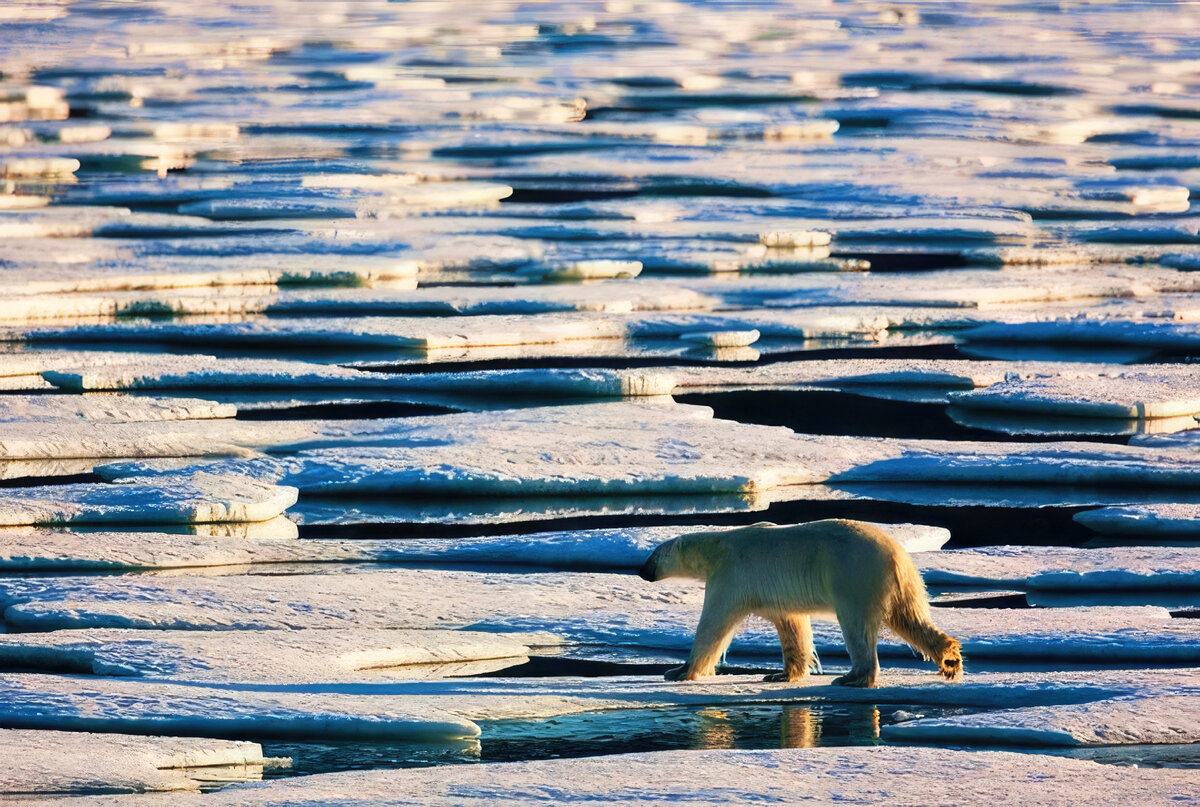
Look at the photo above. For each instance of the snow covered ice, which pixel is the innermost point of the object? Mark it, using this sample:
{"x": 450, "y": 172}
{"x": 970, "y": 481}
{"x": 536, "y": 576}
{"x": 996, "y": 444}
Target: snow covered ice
{"x": 353, "y": 358}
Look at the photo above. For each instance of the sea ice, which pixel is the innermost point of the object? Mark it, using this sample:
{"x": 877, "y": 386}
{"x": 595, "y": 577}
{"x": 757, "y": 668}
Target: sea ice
{"x": 1144, "y": 520}
{"x": 1122, "y": 394}
{"x": 61, "y": 763}
{"x": 1162, "y": 718}
{"x": 865, "y": 775}
{"x": 195, "y": 498}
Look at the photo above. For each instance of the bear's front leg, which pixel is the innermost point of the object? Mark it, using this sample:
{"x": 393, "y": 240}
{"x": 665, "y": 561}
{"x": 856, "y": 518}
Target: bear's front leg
{"x": 718, "y": 622}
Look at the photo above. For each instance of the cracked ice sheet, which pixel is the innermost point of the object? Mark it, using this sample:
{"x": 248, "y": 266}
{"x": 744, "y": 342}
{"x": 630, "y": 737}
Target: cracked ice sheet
{"x": 1164, "y": 718}
{"x": 416, "y": 333}
{"x": 598, "y": 449}
{"x": 138, "y": 707}
{"x": 133, "y": 272}
{"x": 647, "y": 449}
{"x": 1162, "y": 393}
{"x": 194, "y": 498}
{"x": 1159, "y": 334}
{"x": 74, "y": 763}
{"x": 209, "y": 373}
{"x": 385, "y": 298}
{"x": 1062, "y": 568}
{"x": 820, "y": 775}
{"x": 606, "y": 609}
{"x": 107, "y": 408}
{"x": 1144, "y": 520}
{"x": 308, "y": 657}
{"x": 616, "y": 548}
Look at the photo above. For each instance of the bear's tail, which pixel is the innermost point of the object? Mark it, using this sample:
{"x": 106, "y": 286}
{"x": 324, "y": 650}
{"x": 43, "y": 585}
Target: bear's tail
{"x": 909, "y": 618}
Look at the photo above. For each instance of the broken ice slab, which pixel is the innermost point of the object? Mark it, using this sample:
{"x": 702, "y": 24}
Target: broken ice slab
{"x": 250, "y": 375}
{"x": 1064, "y": 428}
{"x": 594, "y": 449}
{"x": 107, "y": 408}
{"x": 822, "y": 775}
{"x": 307, "y": 657}
{"x": 1144, "y": 520}
{"x": 615, "y": 297}
{"x": 1163, "y": 393}
{"x": 60, "y": 763}
{"x": 1163, "y": 718}
{"x": 137, "y": 707}
{"x": 1181, "y": 336}
{"x": 197, "y": 498}
{"x": 126, "y": 273}
{"x": 415, "y": 333}
{"x": 1063, "y": 568}
{"x": 623, "y": 548}
{"x": 652, "y": 449}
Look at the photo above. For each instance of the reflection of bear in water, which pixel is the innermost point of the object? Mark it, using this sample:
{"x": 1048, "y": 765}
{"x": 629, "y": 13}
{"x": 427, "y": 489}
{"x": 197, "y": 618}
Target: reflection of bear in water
{"x": 851, "y": 569}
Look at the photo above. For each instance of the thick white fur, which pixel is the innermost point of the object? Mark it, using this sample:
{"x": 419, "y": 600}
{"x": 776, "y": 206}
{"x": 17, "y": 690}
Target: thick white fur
{"x": 850, "y": 569}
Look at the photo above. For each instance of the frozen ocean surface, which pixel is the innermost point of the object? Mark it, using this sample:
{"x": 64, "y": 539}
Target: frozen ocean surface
{"x": 355, "y": 356}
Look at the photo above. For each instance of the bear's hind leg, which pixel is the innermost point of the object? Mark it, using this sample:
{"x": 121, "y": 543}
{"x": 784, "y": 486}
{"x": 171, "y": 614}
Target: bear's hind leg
{"x": 795, "y": 637}
{"x": 861, "y": 640}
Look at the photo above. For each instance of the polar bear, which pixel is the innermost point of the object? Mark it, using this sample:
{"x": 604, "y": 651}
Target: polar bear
{"x": 852, "y": 569}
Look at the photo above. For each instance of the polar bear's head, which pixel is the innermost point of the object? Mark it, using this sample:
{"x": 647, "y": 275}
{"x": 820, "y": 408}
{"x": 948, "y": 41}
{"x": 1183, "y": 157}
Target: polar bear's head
{"x": 695, "y": 555}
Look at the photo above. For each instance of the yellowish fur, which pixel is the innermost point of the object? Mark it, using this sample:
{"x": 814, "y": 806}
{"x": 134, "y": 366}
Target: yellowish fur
{"x": 850, "y": 569}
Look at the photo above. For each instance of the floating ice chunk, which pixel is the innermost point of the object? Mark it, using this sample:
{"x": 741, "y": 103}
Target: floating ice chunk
{"x": 261, "y": 657}
{"x": 418, "y": 333}
{"x": 261, "y": 269}
{"x": 1148, "y": 520}
{"x": 1062, "y": 568}
{"x": 722, "y": 338}
{"x": 199, "y": 498}
{"x": 58, "y": 763}
{"x": 587, "y": 270}
{"x": 196, "y": 131}
{"x": 260, "y": 209}
{"x": 615, "y": 297}
{"x": 1126, "y": 394}
{"x": 1146, "y": 334}
{"x": 53, "y": 702}
{"x": 600, "y": 449}
{"x": 449, "y": 194}
{"x": 809, "y": 323}
{"x": 1164, "y": 718}
{"x": 57, "y": 221}
{"x": 205, "y": 372}
{"x": 795, "y": 238}
{"x": 107, "y": 408}
{"x": 1016, "y": 463}
{"x": 38, "y": 166}
{"x": 1024, "y": 423}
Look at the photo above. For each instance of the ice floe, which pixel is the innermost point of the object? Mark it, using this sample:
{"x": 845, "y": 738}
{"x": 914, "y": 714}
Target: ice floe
{"x": 62, "y": 763}
{"x": 1144, "y": 520}
{"x": 1163, "y": 718}
{"x": 1127, "y": 394}
{"x": 1064, "y": 568}
{"x": 291, "y": 657}
{"x": 107, "y": 408}
{"x": 196, "y": 498}
{"x": 132, "y": 707}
